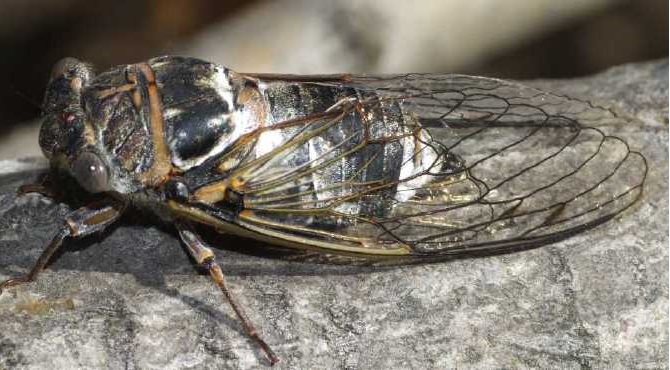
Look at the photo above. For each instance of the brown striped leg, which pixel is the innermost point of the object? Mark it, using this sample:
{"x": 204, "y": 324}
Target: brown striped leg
{"x": 36, "y": 188}
{"x": 205, "y": 258}
{"x": 79, "y": 223}
{"x": 41, "y": 187}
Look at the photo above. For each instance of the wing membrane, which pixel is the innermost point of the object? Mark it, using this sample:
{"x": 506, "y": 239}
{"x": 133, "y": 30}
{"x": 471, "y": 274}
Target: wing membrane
{"x": 487, "y": 165}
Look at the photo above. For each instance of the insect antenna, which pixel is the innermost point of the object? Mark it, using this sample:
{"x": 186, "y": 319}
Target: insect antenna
{"x": 26, "y": 98}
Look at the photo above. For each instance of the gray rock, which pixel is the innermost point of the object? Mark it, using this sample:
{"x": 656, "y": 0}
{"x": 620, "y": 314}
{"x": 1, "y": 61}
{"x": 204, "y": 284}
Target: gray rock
{"x": 131, "y": 298}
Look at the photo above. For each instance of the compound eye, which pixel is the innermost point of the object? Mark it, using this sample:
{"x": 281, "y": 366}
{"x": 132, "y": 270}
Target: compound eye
{"x": 90, "y": 172}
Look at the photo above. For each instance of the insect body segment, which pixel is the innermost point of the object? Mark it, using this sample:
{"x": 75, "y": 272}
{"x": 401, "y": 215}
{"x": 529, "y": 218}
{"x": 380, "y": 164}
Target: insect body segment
{"x": 360, "y": 141}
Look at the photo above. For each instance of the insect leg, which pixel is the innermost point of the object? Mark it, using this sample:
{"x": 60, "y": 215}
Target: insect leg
{"x": 205, "y": 258}
{"x": 41, "y": 187}
{"x": 79, "y": 223}
{"x": 35, "y": 188}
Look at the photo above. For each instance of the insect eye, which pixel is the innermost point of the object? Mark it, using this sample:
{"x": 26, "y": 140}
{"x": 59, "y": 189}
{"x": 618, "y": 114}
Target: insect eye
{"x": 90, "y": 172}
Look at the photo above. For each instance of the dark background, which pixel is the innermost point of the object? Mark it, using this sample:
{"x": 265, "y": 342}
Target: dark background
{"x": 36, "y": 33}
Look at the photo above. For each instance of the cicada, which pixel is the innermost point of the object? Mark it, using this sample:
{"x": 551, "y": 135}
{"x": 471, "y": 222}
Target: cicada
{"x": 396, "y": 168}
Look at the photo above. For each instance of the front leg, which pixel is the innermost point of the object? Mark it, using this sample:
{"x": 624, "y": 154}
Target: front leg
{"x": 79, "y": 223}
{"x": 41, "y": 187}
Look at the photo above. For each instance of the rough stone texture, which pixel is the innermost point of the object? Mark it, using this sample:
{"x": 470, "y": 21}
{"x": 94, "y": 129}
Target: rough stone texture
{"x": 132, "y": 299}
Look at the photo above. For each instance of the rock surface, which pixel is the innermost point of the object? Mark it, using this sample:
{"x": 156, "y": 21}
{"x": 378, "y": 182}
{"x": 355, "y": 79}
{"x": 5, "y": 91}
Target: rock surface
{"x": 131, "y": 298}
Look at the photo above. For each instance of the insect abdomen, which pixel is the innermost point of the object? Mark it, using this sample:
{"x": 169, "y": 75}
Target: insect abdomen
{"x": 369, "y": 144}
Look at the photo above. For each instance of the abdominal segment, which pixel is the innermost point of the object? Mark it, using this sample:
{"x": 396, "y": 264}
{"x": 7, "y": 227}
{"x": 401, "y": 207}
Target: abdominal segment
{"x": 361, "y": 159}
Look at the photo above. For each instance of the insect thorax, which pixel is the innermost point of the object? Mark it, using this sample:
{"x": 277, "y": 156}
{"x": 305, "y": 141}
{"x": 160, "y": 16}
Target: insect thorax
{"x": 157, "y": 118}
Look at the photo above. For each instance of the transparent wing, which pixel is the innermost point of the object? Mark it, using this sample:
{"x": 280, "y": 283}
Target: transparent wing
{"x": 470, "y": 165}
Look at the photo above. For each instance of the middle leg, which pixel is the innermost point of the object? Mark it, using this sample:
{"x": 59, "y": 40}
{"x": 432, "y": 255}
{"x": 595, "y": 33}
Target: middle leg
{"x": 205, "y": 258}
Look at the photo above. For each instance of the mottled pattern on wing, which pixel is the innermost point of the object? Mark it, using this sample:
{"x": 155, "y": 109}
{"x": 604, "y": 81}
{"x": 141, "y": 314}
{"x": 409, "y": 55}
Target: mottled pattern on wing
{"x": 508, "y": 167}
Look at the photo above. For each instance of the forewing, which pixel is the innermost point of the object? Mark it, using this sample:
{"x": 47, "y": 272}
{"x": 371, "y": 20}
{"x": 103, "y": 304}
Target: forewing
{"x": 493, "y": 166}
